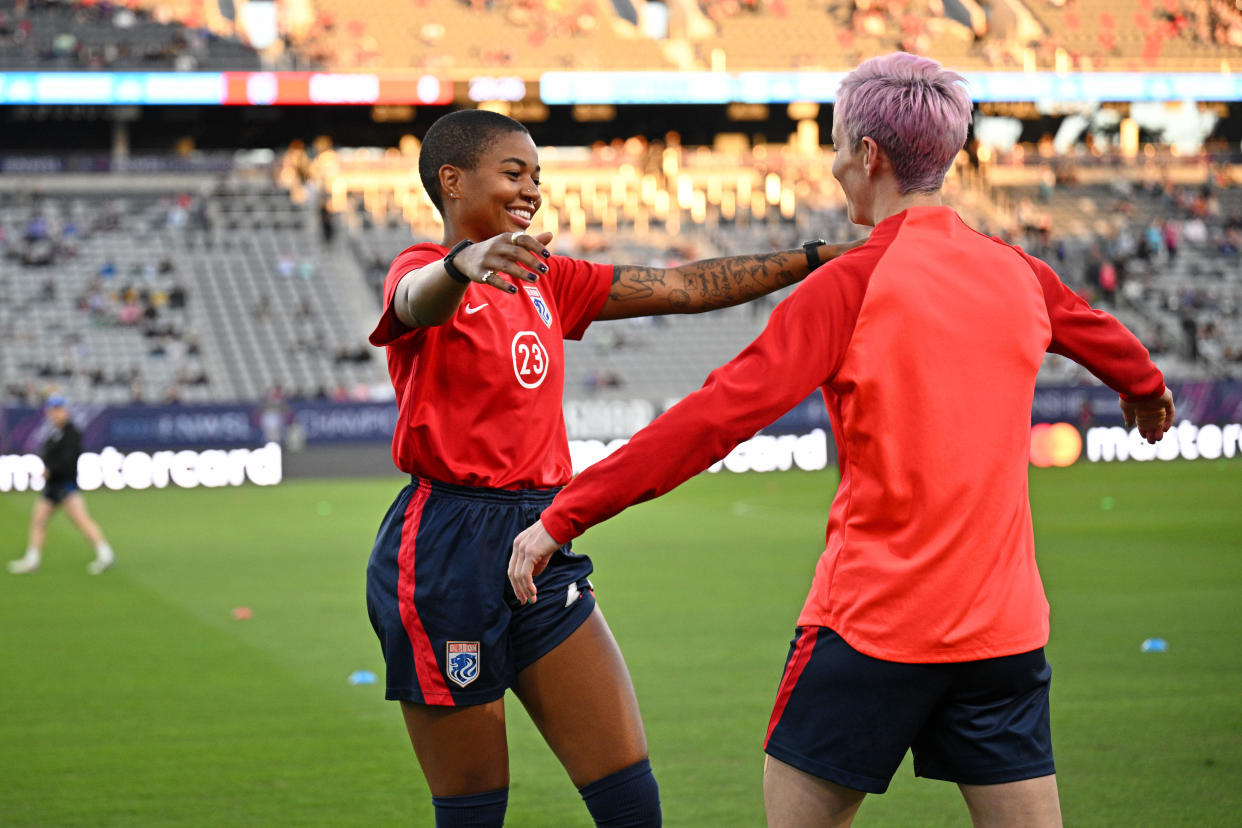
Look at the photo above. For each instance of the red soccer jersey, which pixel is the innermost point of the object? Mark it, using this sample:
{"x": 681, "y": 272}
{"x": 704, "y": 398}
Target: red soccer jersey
{"x": 479, "y": 397}
{"x": 925, "y": 342}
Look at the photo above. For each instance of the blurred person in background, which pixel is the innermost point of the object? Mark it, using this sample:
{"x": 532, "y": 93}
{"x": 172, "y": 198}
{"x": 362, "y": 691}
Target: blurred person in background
{"x": 926, "y": 620}
{"x": 60, "y": 455}
{"x": 473, "y": 329}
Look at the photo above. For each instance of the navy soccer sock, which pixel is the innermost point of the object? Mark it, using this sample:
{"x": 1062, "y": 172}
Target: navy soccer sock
{"x": 485, "y": 810}
{"x": 629, "y": 798}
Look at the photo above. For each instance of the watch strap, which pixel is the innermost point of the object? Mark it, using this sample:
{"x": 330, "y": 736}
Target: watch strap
{"x": 450, "y": 268}
{"x": 812, "y": 252}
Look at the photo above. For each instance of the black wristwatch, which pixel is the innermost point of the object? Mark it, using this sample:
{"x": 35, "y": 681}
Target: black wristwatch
{"x": 812, "y": 252}
{"x": 450, "y": 268}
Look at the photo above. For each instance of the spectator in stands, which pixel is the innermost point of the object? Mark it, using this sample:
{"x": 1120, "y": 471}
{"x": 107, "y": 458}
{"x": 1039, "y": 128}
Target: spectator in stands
{"x": 1195, "y": 231}
{"x": 1154, "y": 234}
{"x": 178, "y": 212}
{"x": 1047, "y": 183}
{"x": 1229, "y": 243}
{"x": 36, "y": 228}
{"x": 926, "y": 620}
{"x": 274, "y": 415}
{"x": 473, "y": 331}
{"x": 1190, "y": 335}
{"x": 1107, "y": 279}
{"x": 200, "y": 223}
{"x": 327, "y": 221}
{"x": 1172, "y": 237}
{"x": 61, "y": 450}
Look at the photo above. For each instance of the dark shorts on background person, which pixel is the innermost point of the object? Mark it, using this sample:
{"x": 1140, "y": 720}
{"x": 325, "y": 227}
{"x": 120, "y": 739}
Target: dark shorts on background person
{"x": 439, "y": 597}
{"x": 58, "y": 491}
{"x": 849, "y": 718}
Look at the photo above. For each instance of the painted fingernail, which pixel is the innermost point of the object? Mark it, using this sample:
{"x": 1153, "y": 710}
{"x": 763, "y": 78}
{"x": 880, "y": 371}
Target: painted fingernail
{"x": 512, "y": 288}
{"x": 543, "y": 268}
{"x": 530, "y": 277}
{"x": 545, "y": 253}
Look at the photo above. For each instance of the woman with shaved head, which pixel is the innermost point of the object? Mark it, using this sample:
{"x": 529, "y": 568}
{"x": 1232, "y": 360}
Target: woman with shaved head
{"x": 473, "y": 328}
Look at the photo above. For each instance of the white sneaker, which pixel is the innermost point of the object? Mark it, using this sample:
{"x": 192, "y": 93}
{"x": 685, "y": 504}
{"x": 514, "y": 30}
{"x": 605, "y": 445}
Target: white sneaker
{"x": 24, "y": 565}
{"x": 98, "y": 565}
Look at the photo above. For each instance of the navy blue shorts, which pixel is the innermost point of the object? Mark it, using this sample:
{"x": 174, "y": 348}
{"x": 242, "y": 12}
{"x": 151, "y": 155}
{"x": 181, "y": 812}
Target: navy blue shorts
{"x": 57, "y": 492}
{"x": 439, "y": 597}
{"x": 849, "y": 718}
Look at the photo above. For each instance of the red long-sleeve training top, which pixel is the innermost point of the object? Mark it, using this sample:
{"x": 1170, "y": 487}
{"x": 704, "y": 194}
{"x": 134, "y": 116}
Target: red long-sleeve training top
{"x": 925, "y": 342}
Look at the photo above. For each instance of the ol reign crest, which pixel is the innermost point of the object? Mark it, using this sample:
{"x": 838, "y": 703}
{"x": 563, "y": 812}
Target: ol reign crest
{"x": 462, "y": 661}
{"x": 541, "y": 306}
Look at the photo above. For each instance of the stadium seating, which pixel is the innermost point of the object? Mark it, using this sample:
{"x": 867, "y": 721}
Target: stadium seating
{"x": 465, "y": 38}
{"x": 1184, "y": 303}
{"x": 509, "y": 37}
{"x": 265, "y": 306}
{"x": 529, "y": 37}
{"x": 667, "y": 357}
{"x": 58, "y": 34}
{"x": 1170, "y": 35}
{"x": 231, "y": 303}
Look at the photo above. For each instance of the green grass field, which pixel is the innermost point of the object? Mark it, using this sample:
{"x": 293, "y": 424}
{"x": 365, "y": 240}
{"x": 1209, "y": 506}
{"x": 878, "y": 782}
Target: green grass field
{"x": 136, "y": 698}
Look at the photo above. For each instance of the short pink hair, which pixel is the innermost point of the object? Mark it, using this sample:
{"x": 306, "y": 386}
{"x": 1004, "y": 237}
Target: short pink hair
{"x": 917, "y": 111}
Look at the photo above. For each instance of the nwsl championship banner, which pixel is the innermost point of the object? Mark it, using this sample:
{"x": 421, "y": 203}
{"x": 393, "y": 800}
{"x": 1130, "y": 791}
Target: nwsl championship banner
{"x": 1203, "y": 402}
{"x": 294, "y": 424}
{"x": 157, "y": 427}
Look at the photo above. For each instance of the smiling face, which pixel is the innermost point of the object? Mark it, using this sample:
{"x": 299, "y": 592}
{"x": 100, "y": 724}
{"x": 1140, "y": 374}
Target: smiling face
{"x": 501, "y": 194}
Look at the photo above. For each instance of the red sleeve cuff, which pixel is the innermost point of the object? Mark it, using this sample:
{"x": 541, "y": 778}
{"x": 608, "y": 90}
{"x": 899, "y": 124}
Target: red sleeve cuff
{"x": 556, "y": 525}
{"x": 1142, "y": 397}
{"x": 389, "y": 328}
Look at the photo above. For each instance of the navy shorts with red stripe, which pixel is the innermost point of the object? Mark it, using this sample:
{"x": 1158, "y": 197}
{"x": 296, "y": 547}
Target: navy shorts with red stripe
{"x": 438, "y": 593}
{"x": 850, "y": 718}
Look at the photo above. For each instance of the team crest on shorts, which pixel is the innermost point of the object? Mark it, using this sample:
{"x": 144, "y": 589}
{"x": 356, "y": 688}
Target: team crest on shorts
{"x": 462, "y": 661}
{"x": 541, "y": 306}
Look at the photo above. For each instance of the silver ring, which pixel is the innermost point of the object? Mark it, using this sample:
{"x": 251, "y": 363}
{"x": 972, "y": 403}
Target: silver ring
{"x": 513, "y": 237}
{"x": 488, "y": 274}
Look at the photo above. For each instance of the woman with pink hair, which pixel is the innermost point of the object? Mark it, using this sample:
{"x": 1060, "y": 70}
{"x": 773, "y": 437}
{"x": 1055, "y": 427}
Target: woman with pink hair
{"x": 926, "y": 620}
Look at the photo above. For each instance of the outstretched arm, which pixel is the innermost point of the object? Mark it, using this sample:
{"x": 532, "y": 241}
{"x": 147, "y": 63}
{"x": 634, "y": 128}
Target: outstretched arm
{"x": 708, "y": 284}
{"x": 1105, "y": 347}
{"x": 799, "y": 349}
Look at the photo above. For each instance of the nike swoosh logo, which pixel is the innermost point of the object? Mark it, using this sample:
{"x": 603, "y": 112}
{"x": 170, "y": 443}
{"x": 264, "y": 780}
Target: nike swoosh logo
{"x": 476, "y": 309}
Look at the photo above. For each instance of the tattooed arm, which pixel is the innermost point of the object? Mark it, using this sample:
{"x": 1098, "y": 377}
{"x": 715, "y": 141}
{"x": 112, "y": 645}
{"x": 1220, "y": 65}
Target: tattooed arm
{"x": 708, "y": 284}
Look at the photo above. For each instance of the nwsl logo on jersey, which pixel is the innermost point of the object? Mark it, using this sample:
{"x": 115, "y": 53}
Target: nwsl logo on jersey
{"x": 541, "y": 306}
{"x": 462, "y": 660}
